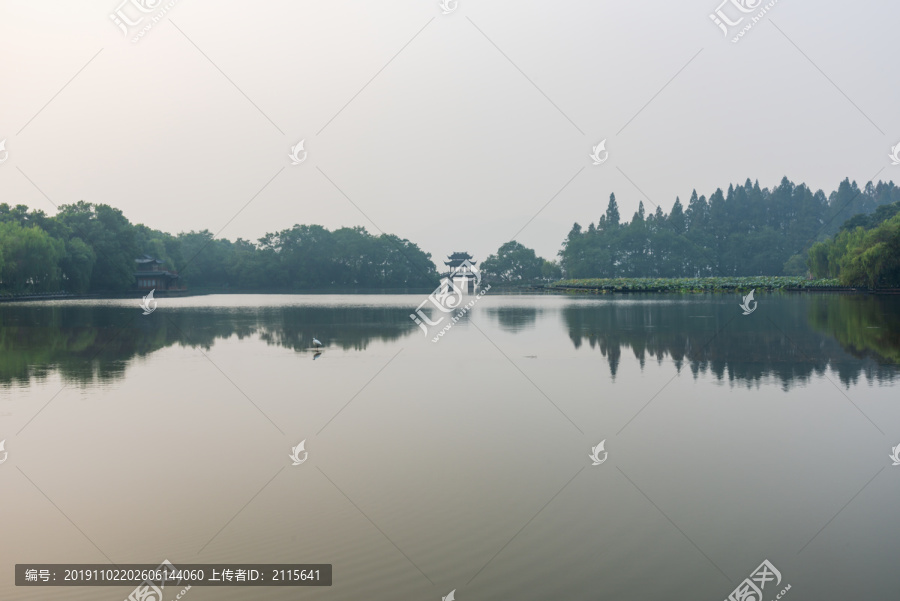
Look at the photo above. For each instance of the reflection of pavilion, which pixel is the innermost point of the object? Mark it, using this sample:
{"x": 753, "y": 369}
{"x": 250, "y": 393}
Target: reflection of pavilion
{"x": 462, "y": 270}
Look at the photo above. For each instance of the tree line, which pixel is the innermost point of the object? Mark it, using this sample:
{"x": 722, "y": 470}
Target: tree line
{"x": 89, "y": 247}
{"x": 747, "y": 230}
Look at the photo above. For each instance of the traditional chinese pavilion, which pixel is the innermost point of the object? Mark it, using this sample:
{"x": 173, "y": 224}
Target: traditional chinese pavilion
{"x": 150, "y": 274}
{"x": 461, "y": 267}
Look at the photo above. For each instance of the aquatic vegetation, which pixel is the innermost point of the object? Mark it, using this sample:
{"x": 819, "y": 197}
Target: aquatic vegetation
{"x": 709, "y": 284}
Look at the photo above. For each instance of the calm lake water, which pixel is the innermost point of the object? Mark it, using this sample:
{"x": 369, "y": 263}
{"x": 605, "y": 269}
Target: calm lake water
{"x": 463, "y": 464}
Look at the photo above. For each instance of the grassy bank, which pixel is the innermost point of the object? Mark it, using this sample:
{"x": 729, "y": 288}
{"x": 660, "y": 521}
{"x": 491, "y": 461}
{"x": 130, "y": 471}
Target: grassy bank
{"x": 694, "y": 284}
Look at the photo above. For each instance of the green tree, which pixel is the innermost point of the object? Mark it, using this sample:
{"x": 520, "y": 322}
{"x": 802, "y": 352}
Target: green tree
{"x": 796, "y": 265}
{"x": 77, "y": 264}
{"x": 874, "y": 259}
{"x": 612, "y": 212}
{"x": 110, "y": 236}
{"x": 514, "y": 263}
{"x": 30, "y": 258}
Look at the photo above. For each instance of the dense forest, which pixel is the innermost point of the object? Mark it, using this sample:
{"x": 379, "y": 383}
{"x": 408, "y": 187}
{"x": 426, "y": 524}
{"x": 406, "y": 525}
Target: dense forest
{"x": 92, "y": 248}
{"x": 865, "y": 253}
{"x": 747, "y": 230}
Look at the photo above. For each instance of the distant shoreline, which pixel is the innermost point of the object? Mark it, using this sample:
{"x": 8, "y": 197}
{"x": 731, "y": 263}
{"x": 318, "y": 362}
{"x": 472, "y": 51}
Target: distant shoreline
{"x": 572, "y": 286}
{"x": 132, "y": 294}
{"x": 709, "y": 284}
{"x": 836, "y": 290}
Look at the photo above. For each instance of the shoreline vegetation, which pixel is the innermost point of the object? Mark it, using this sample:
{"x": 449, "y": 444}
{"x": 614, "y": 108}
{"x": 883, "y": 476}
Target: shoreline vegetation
{"x": 710, "y": 284}
{"x": 745, "y": 233}
{"x": 185, "y": 293}
{"x": 722, "y": 243}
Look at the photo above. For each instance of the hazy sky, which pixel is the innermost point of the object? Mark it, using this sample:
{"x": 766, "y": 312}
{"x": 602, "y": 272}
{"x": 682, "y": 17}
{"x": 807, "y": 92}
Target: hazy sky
{"x": 452, "y": 130}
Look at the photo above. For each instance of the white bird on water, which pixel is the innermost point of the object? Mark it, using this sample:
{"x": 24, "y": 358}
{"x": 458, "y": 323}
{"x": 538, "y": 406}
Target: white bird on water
{"x": 316, "y": 342}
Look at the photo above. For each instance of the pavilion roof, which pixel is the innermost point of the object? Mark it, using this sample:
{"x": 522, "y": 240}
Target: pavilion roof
{"x": 144, "y": 259}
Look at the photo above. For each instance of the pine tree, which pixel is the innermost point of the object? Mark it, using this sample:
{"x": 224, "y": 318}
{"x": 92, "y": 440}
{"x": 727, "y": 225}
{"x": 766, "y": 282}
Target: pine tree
{"x": 612, "y": 212}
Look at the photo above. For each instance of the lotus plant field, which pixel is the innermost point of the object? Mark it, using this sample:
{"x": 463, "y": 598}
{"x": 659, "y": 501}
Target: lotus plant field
{"x": 695, "y": 284}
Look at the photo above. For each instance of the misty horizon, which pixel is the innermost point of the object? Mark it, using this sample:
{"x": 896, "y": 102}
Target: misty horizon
{"x": 454, "y": 129}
